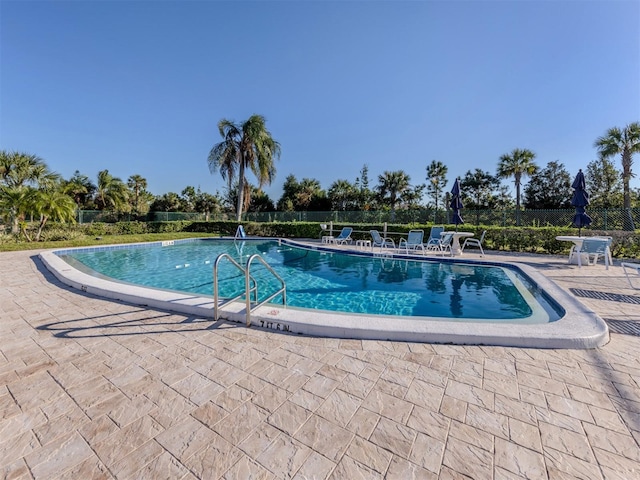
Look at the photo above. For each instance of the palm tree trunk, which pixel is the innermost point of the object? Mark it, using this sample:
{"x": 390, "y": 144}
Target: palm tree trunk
{"x": 626, "y": 175}
{"x": 24, "y": 231}
{"x": 14, "y": 220}
{"x": 518, "y": 202}
{"x": 241, "y": 181}
{"x": 137, "y": 194}
{"x": 43, "y": 221}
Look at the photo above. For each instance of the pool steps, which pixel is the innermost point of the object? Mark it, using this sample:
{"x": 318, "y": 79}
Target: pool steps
{"x": 251, "y": 285}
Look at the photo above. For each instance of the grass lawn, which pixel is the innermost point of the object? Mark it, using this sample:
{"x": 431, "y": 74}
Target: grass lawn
{"x": 104, "y": 240}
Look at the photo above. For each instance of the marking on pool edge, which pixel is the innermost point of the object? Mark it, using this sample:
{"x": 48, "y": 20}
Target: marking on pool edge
{"x": 275, "y": 326}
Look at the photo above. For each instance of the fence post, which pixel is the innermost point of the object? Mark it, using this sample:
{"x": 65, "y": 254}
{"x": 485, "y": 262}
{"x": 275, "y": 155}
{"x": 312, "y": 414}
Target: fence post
{"x": 384, "y": 230}
{"x": 331, "y": 228}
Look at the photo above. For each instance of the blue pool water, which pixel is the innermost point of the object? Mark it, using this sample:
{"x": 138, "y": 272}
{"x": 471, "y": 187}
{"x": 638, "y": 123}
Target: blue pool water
{"x": 325, "y": 280}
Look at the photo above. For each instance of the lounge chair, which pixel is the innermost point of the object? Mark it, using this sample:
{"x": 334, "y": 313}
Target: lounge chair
{"x": 435, "y": 238}
{"x": 344, "y": 237}
{"x": 413, "y": 241}
{"x": 475, "y": 242}
{"x": 378, "y": 241}
{"x": 632, "y": 266}
{"x": 445, "y": 244}
{"x": 593, "y": 249}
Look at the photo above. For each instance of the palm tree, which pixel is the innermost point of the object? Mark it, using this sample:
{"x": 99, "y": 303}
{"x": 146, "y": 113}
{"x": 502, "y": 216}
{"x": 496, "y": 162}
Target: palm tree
{"x": 20, "y": 173}
{"x": 16, "y": 202}
{"x": 309, "y": 190}
{"x": 111, "y": 192}
{"x": 18, "y": 169}
{"x": 55, "y": 205}
{"x": 245, "y": 146}
{"x": 342, "y": 193}
{"x": 518, "y": 163}
{"x": 625, "y": 142}
{"x": 391, "y": 187}
{"x": 80, "y": 187}
{"x": 137, "y": 183}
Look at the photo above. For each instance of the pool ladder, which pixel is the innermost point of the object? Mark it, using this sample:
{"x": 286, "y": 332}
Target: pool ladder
{"x": 250, "y": 285}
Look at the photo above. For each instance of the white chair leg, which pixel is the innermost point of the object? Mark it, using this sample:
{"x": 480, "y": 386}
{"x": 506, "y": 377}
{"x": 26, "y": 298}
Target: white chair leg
{"x": 626, "y": 273}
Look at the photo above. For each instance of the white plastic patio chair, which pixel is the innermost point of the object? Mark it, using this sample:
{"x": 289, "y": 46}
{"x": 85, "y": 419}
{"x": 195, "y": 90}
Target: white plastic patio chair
{"x": 593, "y": 249}
{"x": 344, "y": 237}
{"x": 445, "y": 244}
{"x": 435, "y": 238}
{"x": 476, "y": 242}
{"x": 379, "y": 241}
{"x": 413, "y": 241}
{"x": 631, "y": 266}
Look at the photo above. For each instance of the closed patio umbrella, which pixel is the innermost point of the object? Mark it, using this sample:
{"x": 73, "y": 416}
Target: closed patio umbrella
{"x": 580, "y": 200}
{"x": 456, "y": 204}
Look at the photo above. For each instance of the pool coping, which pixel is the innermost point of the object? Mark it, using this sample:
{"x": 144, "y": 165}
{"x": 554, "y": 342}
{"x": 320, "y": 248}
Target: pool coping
{"x": 579, "y": 328}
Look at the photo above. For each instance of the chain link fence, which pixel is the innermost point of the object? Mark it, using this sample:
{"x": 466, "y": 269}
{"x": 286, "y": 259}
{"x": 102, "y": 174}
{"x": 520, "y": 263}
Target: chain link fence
{"x": 90, "y": 216}
{"x": 603, "y": 219}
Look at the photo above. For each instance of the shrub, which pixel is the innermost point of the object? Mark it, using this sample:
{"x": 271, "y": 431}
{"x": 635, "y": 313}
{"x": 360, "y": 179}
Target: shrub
{"x": 130, "y": 228}
{"x": 7, "y": 238}
{"x": 57, "y": 234}
{"x": 169, "y": 227}
{"x": 517, "y": 239}
{"x": 97, "y": 228}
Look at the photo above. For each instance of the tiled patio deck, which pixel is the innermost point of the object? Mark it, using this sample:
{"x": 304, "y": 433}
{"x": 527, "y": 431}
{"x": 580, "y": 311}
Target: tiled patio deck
{"x": 91, "y": 388}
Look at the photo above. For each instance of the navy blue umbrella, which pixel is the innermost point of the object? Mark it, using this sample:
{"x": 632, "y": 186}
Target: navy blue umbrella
{"x": 456, "y": 204}
{"x": 580, "y": 200}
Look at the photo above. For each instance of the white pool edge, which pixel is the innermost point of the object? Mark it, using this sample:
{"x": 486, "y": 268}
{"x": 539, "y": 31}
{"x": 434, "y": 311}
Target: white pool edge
{"x": 579, "y": 328}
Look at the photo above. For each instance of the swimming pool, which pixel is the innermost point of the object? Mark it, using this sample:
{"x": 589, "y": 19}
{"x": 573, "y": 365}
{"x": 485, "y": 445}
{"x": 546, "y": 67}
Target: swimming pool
{"x": 334, "y": 281}
{"x": 391, "y": 296}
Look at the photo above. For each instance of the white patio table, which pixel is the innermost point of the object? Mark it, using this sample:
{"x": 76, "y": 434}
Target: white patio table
{"x": 455, "y": 242}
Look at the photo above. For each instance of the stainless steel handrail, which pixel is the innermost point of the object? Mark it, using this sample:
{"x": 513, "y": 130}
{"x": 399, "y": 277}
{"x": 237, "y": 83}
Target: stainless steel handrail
{"x": 247, "y": 291}
{"x": 283, "y": 290}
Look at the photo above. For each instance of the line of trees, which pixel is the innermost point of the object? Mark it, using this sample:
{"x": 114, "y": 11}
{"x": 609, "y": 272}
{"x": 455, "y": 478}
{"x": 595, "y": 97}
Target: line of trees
{"x": 112, "y": 194}
{"x": 30, "y": 191}
{"x": 29, "y": 188}
{"x": 250, "y": 146}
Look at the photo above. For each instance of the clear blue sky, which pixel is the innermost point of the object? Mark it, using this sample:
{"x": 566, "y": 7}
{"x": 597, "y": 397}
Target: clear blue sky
{"x": 138, "y": 87}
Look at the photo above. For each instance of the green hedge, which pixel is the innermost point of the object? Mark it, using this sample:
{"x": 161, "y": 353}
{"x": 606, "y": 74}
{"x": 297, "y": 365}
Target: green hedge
{"x": 517, "y": 239}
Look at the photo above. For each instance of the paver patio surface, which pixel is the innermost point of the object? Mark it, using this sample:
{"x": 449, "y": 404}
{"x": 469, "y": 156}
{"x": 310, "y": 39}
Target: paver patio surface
{"x": 91, "y": 388}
